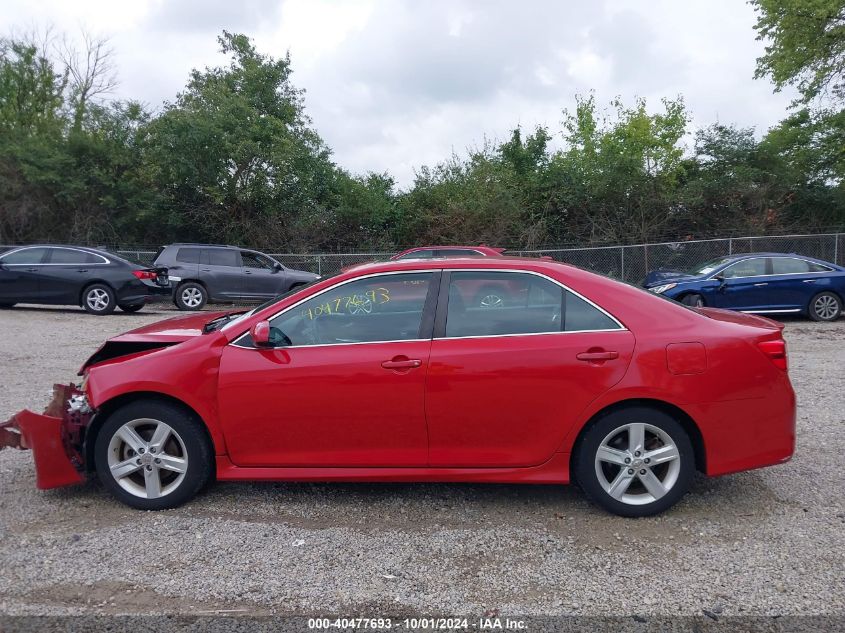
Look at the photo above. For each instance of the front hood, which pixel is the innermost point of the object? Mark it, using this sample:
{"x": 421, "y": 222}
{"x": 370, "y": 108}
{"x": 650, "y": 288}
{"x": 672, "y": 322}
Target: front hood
{"x": 175, "y": 330}
{"x": 151, "y": 337}
{"x": 665, "y": 276}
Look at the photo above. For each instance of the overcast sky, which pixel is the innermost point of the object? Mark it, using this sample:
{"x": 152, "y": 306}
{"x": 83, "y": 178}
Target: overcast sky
{"x": 395, "y": 84}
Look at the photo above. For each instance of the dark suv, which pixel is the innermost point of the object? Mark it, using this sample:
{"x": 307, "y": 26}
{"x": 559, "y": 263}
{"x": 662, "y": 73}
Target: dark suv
{"x": 210, "y": 272}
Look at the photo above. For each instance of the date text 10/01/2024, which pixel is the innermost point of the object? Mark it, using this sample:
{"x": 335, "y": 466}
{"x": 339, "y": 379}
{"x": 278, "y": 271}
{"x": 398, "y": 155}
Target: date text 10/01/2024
{"x": 445, "y": 624}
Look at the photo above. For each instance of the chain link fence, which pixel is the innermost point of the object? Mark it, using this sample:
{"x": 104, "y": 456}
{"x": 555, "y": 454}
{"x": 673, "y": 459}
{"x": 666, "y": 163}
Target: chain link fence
{"x": 627, "y": 263}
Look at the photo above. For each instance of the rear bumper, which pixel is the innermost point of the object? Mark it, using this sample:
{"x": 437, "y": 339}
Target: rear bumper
{"x": 144, "y": 292}
{"x": 746, "y": 434}
{"x": 54, "y": 437}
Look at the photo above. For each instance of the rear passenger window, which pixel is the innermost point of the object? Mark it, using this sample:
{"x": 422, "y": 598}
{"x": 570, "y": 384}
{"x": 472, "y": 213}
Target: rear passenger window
{"x": 188, "y": 255}
{"x": 220, "y": 257}
{"x": 499, "y": 303}
{"x": 791, "y": 266}
{"x": 71, "y": 256}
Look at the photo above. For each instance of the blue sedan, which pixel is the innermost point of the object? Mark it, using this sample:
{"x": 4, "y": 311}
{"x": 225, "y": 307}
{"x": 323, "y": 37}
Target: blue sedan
{"x": 764, "y": 283}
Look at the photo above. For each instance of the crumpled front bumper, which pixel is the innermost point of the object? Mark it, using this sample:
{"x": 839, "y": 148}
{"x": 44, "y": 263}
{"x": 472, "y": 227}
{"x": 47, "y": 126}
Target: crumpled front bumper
{"x": 54, "y": 437}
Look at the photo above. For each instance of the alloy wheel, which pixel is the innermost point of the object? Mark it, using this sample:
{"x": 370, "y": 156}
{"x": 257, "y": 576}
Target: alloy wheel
{"x": 637, "y": 463}
{"x": 97, "y": 299}
{"x": 147, "y": 458}
{"x": 491, "y": 301}
{"x": 191, "y": 296}
{"x": 826, "y": 307}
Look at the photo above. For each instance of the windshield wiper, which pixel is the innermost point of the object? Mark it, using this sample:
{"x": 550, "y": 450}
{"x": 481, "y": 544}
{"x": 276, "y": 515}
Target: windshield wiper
{"x": 220, "y": 321}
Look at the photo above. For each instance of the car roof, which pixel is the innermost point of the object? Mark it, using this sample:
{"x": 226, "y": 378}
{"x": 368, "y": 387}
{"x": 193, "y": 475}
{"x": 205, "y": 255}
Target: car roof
{"x": 500, "y": 261}
{"x": 88, "y": 249}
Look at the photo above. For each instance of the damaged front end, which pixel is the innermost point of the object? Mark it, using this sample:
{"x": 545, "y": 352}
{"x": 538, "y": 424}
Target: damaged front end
{"x": 55, "y": 437}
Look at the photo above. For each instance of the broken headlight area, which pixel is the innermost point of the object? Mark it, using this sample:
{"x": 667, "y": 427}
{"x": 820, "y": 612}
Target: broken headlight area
{"x": 55, "y": 437}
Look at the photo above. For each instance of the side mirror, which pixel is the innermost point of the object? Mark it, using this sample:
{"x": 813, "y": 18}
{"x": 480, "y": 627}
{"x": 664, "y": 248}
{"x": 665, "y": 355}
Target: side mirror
{"x": 277, "y": 267}
{"x": 260, "y": 333}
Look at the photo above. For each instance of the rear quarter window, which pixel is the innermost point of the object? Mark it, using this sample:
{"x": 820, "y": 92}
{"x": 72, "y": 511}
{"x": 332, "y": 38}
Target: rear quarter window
{"x": 188, "y": 255}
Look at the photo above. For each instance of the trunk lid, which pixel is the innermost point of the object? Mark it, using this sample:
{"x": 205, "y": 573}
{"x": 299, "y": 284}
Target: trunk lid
{"x": 741, "y": 318}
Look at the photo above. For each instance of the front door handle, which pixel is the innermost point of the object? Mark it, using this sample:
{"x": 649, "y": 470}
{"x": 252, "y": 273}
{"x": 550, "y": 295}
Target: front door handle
{"x": 809, "y": 281}
{"x": 82, "y": 270}
{"x": 765, "y": 283}
{"x": 597, "y": 356}
{"x": 401, "y": 362}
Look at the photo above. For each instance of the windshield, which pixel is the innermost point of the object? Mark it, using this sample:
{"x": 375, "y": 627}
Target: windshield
{"x": 270, "y": 302}
{"x": 709, "y": 267}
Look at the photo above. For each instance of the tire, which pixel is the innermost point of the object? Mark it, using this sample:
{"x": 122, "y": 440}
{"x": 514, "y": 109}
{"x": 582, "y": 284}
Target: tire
{"x": 191, "y": 296}
{"x": 134, "y": 307}
{"x": 693, "y": 300}
{"x": 148, "y": 485}
{"x": 825, "y": 306}
{"x": 6, "y": 306}
{"x": 98, "y": 299}
{"x": 490, "y": 297}
{"x": 632, "y": 498}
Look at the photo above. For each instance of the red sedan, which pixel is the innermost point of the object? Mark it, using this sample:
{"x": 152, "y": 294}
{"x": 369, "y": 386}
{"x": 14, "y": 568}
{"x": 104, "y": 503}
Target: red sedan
{"x": 386, "y": 373}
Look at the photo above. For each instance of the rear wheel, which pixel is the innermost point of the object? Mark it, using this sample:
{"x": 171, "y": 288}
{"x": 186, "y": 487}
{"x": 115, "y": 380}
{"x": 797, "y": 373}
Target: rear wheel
{"x": 98, "y": 299}
{"x": 191, "y": 296}
{"x": 825, "y": 306}
{"x": 134, "y": 307}
{"x": 693, "y": 300}
{"x": 635, "y": 462}
{"x": 153, "y": 455}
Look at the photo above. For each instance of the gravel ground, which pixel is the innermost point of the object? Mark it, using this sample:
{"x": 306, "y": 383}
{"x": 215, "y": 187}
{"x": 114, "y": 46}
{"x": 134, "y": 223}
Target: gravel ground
{"x": 765, "y": 542}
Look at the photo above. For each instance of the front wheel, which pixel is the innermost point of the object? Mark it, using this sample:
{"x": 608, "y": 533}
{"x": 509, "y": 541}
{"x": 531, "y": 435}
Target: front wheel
{"x": 635, "y": 462}
{"x": 153, "y": 455}
{"x": 825, "y": 306}
{"x": 693, "y": 300}
{"x": 98, "y": 299}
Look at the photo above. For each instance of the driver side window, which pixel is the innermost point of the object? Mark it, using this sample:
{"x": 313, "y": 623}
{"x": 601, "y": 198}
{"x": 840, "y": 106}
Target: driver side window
{"x": 375, "y": 309}
{"x": 746, "y": 268}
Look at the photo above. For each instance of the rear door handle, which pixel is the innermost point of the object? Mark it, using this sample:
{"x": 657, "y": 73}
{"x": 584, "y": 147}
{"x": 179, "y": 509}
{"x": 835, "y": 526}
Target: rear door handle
{"x": 765, "y": 283}
{"x": 82, "y": 270}
{"x": 401, "y": 363}
{"x": 809, "y": 281}
{"x": 594, "y": 356}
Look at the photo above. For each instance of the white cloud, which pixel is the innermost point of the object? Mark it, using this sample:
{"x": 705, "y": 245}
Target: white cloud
{"x": 395, "y": 84}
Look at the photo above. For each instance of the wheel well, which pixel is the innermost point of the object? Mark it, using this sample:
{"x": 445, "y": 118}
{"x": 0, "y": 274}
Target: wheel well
{"x": 107, "y": 408}
{"x": 192, "y": 281}
{"x": 677, "y": 413}
{"x": 90, "y": 283}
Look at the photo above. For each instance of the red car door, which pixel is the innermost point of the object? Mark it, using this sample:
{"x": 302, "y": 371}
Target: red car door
{"x": 505, "y": 384}
{"x": 345, "y": 386}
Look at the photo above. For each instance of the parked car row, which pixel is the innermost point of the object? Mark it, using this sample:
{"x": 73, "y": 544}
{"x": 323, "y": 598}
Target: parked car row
{"x": 100, "y": 281}
{"x": 192, "y": 275}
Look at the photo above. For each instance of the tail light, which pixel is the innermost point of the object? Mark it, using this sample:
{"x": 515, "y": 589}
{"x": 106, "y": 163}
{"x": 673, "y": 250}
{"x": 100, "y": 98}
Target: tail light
{"x": 776, "y": 351}
{"x": 145, "y": 274}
